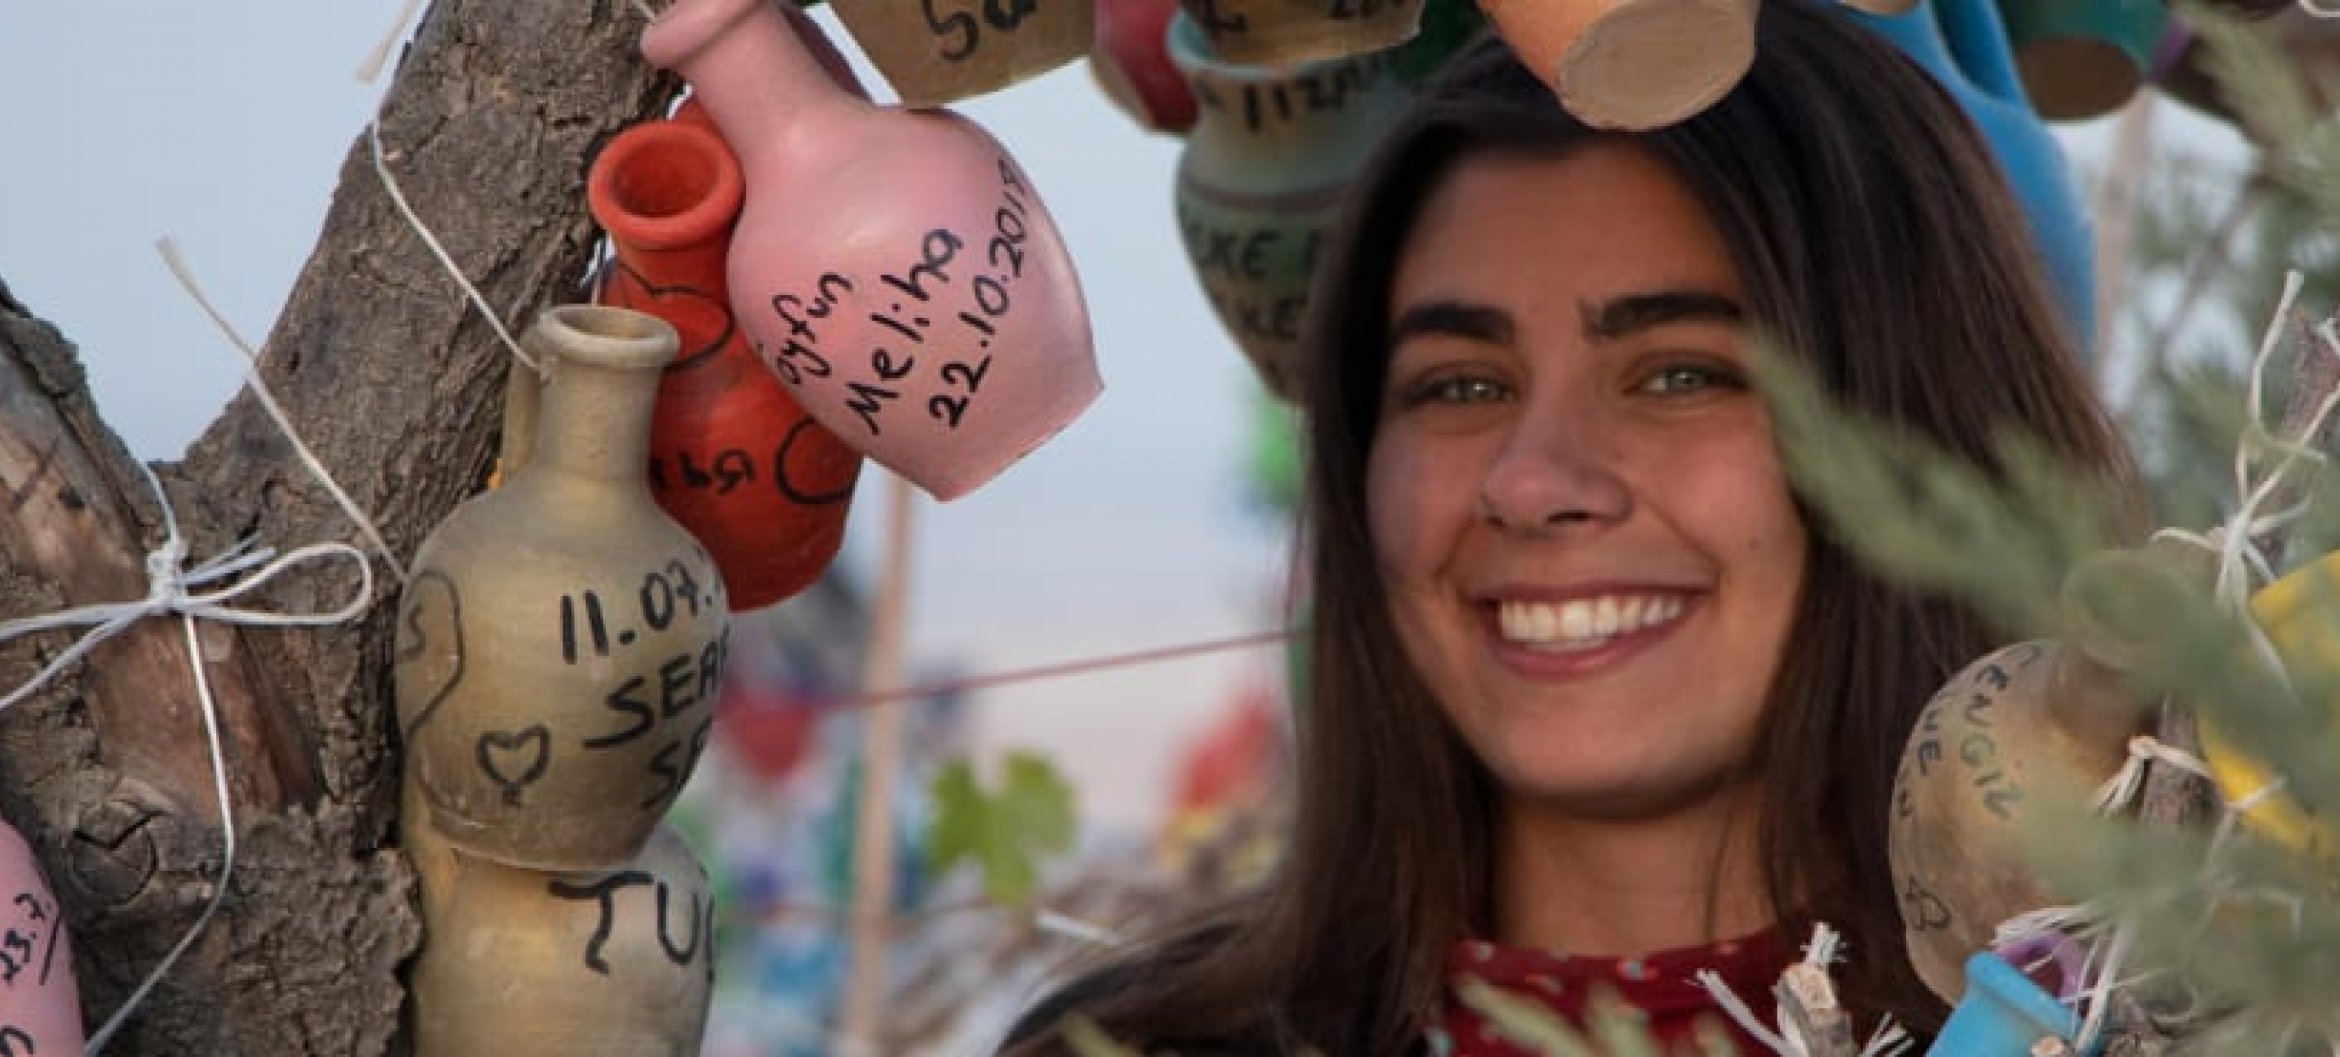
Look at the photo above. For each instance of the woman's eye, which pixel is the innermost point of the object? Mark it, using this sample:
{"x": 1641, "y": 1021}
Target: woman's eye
{"x": 1459, "y": 389}
{"x": 1684, "y": 378}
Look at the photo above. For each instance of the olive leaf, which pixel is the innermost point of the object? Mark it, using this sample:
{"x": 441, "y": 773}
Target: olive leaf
{"x": 1004, "y": 832}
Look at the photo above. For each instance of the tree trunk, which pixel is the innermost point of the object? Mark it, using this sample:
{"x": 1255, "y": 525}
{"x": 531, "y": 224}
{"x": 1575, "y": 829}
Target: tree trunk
{"x": 396, "y": 383}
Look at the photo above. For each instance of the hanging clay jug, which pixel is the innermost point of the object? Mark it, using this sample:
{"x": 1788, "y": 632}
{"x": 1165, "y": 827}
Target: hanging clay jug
{"x": 2083, "y": 58}
{"x": 1262, "y": 180}
{"x": 2003, "y": 1014}
{"x": 936, "y": 52}
{"x": 1982, "y": 78}
{"x": 2301, "y": 616}
{"x": 895, "y": 268}
{"x": 1292, "y": 32}
{"x": 732, "y": 457}
{"x": 2019, "y": 732}
{"x": 1131, "y": 59}
{"x": 1632, "y": 64}
{"x": 560, "y": 646}
{"x": 40, "y": 1005}
{"x": 518, "y": 963}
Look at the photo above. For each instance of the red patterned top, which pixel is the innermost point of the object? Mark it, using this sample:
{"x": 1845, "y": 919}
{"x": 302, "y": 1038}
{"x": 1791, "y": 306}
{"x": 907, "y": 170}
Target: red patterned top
{"x": 1662, "y": 986}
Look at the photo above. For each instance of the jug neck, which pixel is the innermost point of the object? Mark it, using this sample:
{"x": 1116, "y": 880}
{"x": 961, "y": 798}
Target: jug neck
{"x": 588, "y": 416}
{"x": 747, "y": 64}
{"x": 667, "y": 193}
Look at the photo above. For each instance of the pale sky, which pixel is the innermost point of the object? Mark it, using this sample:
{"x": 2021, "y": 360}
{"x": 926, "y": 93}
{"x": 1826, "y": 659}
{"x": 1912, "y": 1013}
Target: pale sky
{"x": 223, "y": 125}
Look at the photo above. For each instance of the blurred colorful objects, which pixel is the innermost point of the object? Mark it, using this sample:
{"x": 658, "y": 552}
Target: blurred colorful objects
{"x": 1963, "y": 44}
{"x": 1226, "y": 787}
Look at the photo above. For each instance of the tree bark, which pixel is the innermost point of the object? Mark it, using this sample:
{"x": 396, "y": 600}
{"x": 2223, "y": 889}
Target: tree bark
{"x": 396, "y": 383}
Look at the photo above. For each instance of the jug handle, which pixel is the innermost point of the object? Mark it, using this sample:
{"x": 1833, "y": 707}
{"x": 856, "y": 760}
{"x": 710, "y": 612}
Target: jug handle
{"x": 1978, "y": 43}
{"x": 523, "y": 397}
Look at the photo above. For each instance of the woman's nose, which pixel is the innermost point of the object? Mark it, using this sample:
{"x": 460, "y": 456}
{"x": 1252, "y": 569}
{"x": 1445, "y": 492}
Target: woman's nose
{"x": 1547, "y": 479}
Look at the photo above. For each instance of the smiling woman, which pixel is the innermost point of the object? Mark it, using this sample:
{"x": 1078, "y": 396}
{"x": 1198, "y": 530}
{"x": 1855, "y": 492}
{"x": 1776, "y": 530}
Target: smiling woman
{"x": 1593, "y": 701}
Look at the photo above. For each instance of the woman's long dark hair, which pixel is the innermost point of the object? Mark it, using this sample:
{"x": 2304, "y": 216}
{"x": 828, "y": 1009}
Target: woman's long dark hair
{"x": 1873, "y": 235}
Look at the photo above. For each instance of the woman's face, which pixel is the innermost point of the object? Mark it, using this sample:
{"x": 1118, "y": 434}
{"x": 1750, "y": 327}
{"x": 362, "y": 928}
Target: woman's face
{"x": 1591, "y": 553}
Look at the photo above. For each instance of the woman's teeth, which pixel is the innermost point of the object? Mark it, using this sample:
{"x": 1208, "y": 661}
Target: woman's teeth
{"x": 1583, "y": 623}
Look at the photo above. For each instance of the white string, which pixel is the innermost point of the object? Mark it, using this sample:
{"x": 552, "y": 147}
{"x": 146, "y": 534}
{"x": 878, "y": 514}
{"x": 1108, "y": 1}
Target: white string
{"x": 365, "y": 524}
{"x": 168, "y": 592}
{"x": 1826, "y": 946}
{"x": 1744, "y": 1017}
{"x": 1074, "y": 928}
{"x": 446, "y": 261}
{"x": 2319, "y": 11}
{"x": 2240, "y": 563}
{"x": 371, "y": 68}
{"x": 2120, "y": 790}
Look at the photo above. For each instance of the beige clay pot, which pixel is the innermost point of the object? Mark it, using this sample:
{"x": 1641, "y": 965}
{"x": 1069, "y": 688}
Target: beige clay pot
{"x": 2026, "y": 730}
{"x": 517, "y": 963}
{"x": 561, "y": 646}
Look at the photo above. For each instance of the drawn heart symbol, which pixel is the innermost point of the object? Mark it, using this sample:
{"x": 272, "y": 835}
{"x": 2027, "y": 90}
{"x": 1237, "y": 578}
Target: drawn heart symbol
{"x": 814, "y": 468}
{"x": 530, "y": 748}
{"x": 701, "y": 318}
{"x": 430, "y": 648}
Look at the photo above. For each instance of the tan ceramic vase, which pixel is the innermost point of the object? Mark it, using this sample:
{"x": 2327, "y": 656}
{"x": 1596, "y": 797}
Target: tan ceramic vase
{"x": 560, "y": 648}
{"x": 894, "y": 267}
{"x": 1263, "y": 177}
{"x": 2030, "y": 727}
{"x": 1291, "y": 32}
{"x": 1631, "y": 64}
{"x": 936, "y": 52}
{"x": 518, "y": 963}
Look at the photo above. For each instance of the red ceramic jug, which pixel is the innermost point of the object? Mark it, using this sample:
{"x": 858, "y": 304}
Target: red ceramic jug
{"x": 894, "y": 267}
{"x": 1131, "y": 58}
{"x": 732, "y": 457}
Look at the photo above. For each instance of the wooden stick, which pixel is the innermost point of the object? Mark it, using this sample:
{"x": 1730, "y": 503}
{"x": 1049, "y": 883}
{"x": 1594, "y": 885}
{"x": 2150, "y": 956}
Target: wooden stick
{"x": 1809, "y": 1000}
{"x": 873, "y": 834}
{"x": 2115, "y": 210}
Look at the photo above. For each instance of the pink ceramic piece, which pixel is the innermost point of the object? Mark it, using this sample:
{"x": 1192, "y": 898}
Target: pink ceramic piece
{"x": 895, "y": 268}
{"x": 1132, "y": 60}
{"x": 40, "y": 1006}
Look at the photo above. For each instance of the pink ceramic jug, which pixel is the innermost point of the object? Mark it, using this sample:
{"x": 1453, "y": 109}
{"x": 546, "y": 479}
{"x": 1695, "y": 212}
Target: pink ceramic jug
{"x": 894, "y": 267}
{"x": 1631, "y": 64}
{"x": 40, "y": 1011}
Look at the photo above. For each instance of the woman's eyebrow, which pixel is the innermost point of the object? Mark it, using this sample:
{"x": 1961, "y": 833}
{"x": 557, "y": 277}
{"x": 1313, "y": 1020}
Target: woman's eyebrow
{"x": 1461, "y": 319}
{"x": 1623, "y": 315}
